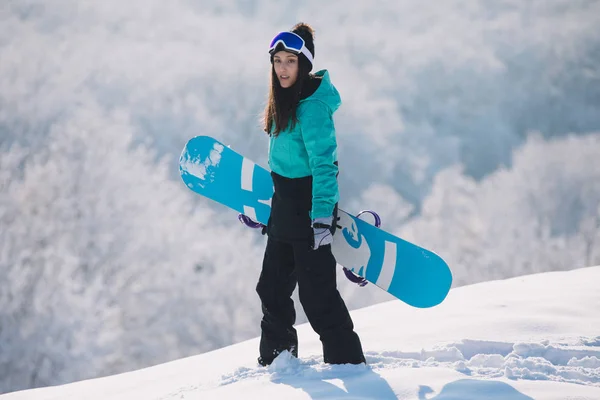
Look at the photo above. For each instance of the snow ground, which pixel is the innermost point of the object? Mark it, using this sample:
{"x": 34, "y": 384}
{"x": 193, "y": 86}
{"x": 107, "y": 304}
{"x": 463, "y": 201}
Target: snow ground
{"x": 532, "y": 337}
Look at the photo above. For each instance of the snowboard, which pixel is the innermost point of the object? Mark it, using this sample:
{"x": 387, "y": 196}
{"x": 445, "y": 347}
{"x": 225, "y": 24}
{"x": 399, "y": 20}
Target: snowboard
{"x": 411, "y": 273}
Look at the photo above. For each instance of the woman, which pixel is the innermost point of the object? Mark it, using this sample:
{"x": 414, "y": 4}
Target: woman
{"x": 303, "y": 161}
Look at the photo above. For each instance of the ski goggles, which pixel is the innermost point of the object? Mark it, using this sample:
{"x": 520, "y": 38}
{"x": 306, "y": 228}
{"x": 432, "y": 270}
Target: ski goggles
{"x": 291, "y": 42}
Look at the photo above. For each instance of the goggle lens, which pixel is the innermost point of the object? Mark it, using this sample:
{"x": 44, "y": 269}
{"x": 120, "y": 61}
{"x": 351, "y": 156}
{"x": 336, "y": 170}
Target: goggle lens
{"x": 290, "y": 41}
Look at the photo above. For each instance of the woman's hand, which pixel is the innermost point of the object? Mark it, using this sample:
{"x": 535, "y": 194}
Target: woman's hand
{"x": 322, "y": 231}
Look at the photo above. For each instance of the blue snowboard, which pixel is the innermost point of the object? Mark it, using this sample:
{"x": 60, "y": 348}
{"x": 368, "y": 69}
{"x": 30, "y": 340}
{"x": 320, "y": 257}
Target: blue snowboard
{"x": 412, "y": 274}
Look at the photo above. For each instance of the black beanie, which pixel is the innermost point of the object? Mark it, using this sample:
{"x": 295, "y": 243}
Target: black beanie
{"x": 306, "y": 32}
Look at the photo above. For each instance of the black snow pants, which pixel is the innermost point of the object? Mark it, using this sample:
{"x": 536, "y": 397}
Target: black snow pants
{"x": 286, "y": 264}
{"x": 289, "y": 260}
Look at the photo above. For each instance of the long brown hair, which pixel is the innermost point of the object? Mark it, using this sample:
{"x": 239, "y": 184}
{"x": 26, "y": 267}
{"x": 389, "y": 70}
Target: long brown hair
{"x": 280, "y": 112}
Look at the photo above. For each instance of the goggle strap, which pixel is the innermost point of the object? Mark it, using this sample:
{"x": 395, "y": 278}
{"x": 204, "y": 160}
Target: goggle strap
{"x": 307, "y": 54}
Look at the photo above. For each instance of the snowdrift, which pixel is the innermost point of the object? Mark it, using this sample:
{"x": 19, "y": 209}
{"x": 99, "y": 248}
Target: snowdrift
{"x": 532, "y": 337}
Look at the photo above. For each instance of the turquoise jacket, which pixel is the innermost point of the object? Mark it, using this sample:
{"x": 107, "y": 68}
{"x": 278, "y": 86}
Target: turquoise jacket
{"x": 311, "y": 147}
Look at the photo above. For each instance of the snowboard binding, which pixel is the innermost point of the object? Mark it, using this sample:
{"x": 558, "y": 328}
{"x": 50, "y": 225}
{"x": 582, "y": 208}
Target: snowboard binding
{"x": 352, "y": 277}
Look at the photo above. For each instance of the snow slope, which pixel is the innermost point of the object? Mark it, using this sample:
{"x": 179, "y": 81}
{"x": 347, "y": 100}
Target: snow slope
{"x": 533, "y": 337}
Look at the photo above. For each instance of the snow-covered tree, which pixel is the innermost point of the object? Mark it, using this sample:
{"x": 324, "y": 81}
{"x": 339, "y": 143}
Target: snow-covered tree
{"x": 109, "y": 265}
{"x": 539, "y": 214}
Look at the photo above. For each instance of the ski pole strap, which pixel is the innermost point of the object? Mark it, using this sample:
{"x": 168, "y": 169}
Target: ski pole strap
{"x": 359, "y": 280}
{"x": 249, "y": 222}
{"x": 374, "y": 214}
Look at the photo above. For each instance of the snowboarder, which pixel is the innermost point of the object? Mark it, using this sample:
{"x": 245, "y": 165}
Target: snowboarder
{"x": 303, "y": 160}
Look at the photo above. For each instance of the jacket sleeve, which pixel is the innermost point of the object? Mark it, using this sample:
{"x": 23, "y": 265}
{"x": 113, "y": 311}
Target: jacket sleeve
{"x": 318, "y": 133}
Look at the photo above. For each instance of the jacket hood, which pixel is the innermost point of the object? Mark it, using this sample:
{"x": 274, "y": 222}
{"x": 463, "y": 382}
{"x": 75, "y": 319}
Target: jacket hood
{"x": 326, "y": 92}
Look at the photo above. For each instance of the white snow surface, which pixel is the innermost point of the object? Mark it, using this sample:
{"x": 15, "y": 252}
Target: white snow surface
{"x": 532, "y": 337}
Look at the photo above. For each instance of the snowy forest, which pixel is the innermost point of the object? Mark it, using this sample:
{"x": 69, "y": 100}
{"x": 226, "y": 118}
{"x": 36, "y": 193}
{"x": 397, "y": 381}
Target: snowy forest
{"x": 471, "y": 127}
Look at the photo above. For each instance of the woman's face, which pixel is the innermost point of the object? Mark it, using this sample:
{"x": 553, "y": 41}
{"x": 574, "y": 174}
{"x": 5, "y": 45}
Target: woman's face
{"x": 286, "y": 68}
